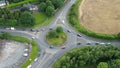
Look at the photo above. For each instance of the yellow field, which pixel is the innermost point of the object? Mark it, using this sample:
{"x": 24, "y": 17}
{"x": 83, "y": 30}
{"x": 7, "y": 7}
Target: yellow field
{"x": 102, "y": 16}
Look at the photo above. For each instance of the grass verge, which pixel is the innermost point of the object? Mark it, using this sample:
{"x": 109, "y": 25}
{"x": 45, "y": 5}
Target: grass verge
{"x": 20, "y": 3}
{"x": 41, "y": 19}
{"x": 74, "y": 22}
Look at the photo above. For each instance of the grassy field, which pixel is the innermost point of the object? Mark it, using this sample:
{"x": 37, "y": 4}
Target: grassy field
{"x": 42, "y": 19}
{"x": 57, "y": 41}
{"x": 102, "y": 17}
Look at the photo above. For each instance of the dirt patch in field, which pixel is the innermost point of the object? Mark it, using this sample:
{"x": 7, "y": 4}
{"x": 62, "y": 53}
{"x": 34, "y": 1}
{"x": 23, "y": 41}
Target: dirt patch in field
{"x": 101, "y": 16}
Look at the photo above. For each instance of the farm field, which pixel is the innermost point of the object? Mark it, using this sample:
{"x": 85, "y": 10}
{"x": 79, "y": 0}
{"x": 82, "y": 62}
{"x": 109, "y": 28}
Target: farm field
{"x": 101, "y": 16}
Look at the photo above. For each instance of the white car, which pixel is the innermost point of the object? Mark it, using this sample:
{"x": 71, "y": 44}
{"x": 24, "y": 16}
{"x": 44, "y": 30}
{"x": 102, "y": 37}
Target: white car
{"x": 26, "y": 50}
{"x": 102, "y": 43}
{"x": 12, "y": 28}
{"x": 29, "y": 66}
{"x": 25, "y": 54}
{"x": 36, "y": 59}
{"x": 108, "y": 43}
{"x": 33, "y": 37}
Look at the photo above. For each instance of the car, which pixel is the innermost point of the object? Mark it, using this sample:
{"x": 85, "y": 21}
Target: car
{"x": 25, "y": 54}
{"x": 63, "y": 47}
{"x": 42, "y": 29}
{"x": 88, "y": 43}
{"x": 33, "y": 37}
{"x": 79, "y": 43}
{"x": 97, "y": 43}
{"x": 108, "y": 43}
{"x": 26, "y": 49}
{"x": 31, "y": 30}
{"x": 50, "y": 29}
{"x": 37, "y": 30}
{"x": 63, "y": 21}
{"x": 102, "y": 43}
{"x": 51, "y": 47}
{"x": 36, "y": 59}
{"x": 12, "y": 28}
{"x": 69, "y": 31}
{"x": 23, "y": 29}
{"x": 7, "y": 28}
{"x": 79, "y": 35}
{"x": 29, "y": 66}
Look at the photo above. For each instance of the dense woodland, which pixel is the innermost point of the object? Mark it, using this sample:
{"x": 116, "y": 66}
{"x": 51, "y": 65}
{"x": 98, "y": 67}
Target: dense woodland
{"x": 50, "y": 6}
{"x": 103, "y": 56}
{"x": 16, "y": 18}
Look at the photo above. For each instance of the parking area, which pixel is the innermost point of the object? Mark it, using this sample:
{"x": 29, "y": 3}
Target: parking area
{"x": 11, "y": 53}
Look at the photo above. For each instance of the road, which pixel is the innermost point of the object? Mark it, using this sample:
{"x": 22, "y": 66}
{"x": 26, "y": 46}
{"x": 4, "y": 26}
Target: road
{"x": 48, "y": 56}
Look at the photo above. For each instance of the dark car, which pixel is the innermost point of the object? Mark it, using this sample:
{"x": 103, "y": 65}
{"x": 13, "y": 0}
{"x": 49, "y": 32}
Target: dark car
{"x": 69, "y": 31}
{"x": 78, "y": 43}
{"x": 50, "y": 29}
{"x": 51, "y": 47}
{"x": 89, "y": 43}
{"x": 79, "y": 35}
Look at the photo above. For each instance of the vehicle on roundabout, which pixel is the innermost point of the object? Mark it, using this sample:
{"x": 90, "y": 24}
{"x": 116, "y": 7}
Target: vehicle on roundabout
{"x": 63, "y": 47}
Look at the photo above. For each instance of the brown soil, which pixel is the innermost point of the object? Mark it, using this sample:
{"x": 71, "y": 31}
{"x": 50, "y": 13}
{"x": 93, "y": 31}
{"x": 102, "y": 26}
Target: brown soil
{"x": 102, "y": 16}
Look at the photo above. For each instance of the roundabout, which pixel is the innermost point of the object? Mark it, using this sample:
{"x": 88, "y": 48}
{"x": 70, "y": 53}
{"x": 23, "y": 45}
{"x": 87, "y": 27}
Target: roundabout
{"x": 46, "y": 56}
{"x": 56, "y": 37}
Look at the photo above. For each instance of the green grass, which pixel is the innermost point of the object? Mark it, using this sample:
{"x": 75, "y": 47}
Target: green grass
{"x": 33, "y": 55}
{"x": 74, "y": 22}
{"x": 58, "y": 41}
{"x": 20, "y": 39}
{"x": 41, "y": 19}
{"x": 20, "y": 3}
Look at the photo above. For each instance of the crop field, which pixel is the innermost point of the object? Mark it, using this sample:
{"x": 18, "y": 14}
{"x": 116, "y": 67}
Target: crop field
{"x": 101, "y": 16}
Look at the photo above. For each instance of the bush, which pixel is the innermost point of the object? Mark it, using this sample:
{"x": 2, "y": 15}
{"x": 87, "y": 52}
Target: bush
{"x": 102, "y": 65}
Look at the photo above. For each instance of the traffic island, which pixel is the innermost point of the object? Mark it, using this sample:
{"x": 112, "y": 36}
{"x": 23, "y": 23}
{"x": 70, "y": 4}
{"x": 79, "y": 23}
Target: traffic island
{"x": 56, "y": 37}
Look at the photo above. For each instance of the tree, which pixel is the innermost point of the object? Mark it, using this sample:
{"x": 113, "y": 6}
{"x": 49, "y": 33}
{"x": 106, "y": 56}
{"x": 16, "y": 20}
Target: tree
{"x": 42, "y": 1}
{"x": 59, "y": 29}
{"x": 50, "y": 11}
{"x": 26, "y": 19}
{"x": 49, "y": 3}
{"x": 53, "y": 34}
{"x": 42, "y": 7}
{"x": 57, "y": 3}
{"x": 102, "y": 65}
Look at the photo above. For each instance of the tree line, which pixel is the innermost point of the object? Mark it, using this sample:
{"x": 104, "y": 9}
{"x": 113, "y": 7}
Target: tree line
{"x": 16, "y": 18}
{"x": 50, "y": 6}
{"x": 103, "y": 56}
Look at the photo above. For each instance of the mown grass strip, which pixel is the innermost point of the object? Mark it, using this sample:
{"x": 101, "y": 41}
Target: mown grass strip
{"x": 20, "y": 3}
